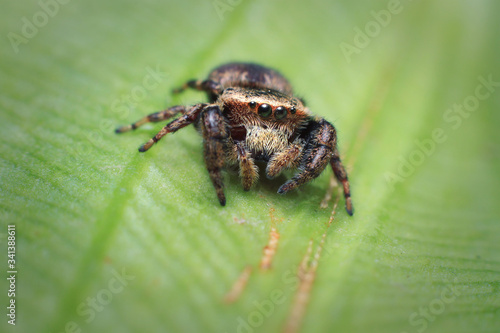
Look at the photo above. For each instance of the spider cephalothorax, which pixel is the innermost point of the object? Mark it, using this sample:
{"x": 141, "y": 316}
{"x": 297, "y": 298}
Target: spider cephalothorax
{"x": 253, "y": 116}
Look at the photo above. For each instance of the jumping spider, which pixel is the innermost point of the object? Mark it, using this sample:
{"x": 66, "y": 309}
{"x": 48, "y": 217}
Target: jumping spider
{"x": 253, "y": 116}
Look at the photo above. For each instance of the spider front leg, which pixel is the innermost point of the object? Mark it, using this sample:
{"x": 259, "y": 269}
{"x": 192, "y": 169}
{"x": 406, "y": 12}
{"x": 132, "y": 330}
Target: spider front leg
{"x": 153, "y": 118}
{"x": 215, "y": 135}
{"x": 317, "y": 153}
{"x": 186, "y": 119}
{"x": 320, "y": 150}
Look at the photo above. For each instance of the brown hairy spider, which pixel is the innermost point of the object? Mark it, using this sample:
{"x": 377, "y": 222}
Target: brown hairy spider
{"x": 253, "y": 116}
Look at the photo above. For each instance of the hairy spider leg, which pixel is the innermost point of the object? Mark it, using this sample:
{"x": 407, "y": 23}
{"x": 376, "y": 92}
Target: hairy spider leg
{"x": 341, "y": 175}
{"x": 186, "y": 119}
{"x": 215, "y": 134}
{"x": 317, "y": 153}
{"x": 153, "y": 118}
{"x": 249, "y": 172}
{"x": 208, "y": 86}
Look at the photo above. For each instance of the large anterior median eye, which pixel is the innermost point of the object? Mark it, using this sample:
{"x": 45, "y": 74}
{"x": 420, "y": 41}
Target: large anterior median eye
{"x": 280, "y": 113}
{"x": 265, "y": 110}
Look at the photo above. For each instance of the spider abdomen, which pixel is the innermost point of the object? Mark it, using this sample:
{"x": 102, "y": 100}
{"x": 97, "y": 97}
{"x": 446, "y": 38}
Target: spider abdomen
{"x": 252, "y": 76}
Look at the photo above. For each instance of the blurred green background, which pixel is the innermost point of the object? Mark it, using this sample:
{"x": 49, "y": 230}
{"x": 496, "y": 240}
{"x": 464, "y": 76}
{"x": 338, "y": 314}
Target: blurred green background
{"x": 403, "y": 82}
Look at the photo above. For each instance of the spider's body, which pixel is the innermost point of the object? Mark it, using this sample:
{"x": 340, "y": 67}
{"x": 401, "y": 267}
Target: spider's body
{"x": 253, "y": 116}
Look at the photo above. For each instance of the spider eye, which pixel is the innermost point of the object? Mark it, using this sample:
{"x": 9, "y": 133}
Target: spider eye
{"x": 264, "y": 110}
{"x": 252, "y": 104}
{"x": 293, "y": 110}
{"x": 280, "y": 113}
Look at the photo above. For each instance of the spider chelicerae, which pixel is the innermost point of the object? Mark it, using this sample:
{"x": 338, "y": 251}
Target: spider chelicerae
{"x": 252, "y": 116}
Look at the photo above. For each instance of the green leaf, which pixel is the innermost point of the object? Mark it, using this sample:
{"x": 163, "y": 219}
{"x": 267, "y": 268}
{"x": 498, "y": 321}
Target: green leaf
{"x": 111, "y": 240}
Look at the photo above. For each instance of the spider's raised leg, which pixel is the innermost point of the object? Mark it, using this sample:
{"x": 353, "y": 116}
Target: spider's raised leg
{"x": 209, "y": 86}
{"x": 215, "y": 135}
{"x": 186, "y": 119}
{"x": 319, "y": 151}
{"x": 153, "y": 118}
